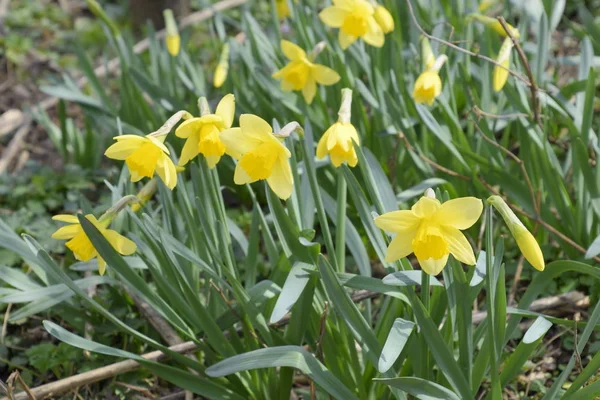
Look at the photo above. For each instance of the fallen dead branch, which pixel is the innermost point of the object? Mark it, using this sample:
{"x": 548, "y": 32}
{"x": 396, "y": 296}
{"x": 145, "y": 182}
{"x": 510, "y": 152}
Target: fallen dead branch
{"x": 68, "y": 384}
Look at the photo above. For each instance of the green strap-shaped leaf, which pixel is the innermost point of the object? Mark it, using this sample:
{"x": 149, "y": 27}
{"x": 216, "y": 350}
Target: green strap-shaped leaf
{"x": 177, "y": 376}
{"x": 394, "y": 343}
{"x": 294, "y": 284}
{"x": 421, "y": 388}
{"x": 284, "y": 356}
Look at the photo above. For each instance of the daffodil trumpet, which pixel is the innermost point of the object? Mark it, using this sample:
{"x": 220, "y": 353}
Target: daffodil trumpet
{"x": 302, "y": 73}
{"x": 260, "y": 155}
{"x": 432, "y": 231}
{"x": 339, "y": 140}
{"x": 525, "y": 240}
{"x": 203, "y": 134}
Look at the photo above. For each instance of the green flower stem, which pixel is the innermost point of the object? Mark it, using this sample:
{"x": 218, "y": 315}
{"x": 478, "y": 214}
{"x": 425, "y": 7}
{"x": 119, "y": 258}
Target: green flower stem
{"x": 314, "y": 187}
{"x": 340, "y": 235}
{"x": 490, "y": 300}
{"x": 425, "y": 297}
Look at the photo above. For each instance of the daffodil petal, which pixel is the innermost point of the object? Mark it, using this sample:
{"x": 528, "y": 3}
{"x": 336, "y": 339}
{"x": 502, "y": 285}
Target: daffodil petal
{"x": 425, "y": 207}
{"x": 333, "y": 16}
{"x": 400, "y": 246}
{"x": 345, "y": 39}
{"x": 241, "y": 177}
{"x": 212, "y": 161}
{"x": 397, "y": 221}
{"x": 67, "y": 232}
{"x": 237, "y": 142}
{"x": 167, "y": 172}
{"x": 460, "y": 213}
{"x": 189, "y": 127}
{"x": 123, "y": 149}
{"x": 322, "y": 146}
{"x": 458, "y": 245}
{"x": 226, "y": 110}
{"x": 309, "y": 90}
{"x": 325, "y": 75}
{"x": 68, "y": 218}
{"x": 281, "y": 180}
{"x": 119, "y": 242}
{"x": 190, "y": 149}
{"x": 101, "y": 265}
{"x": 255, "y": 127}
{"x": 292, "y": 51}
{"x": 433, "y": 266}
{"x": 374, "y": 36}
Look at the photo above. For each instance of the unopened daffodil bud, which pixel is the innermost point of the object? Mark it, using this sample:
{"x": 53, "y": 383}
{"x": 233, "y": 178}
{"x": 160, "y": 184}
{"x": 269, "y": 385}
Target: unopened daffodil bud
{"x": 495, "y": 25}
{"x": 500, "y": 75}
{"x": 172, "y": 38}
{"x": 144, "y": 195}
{"x": 384, "y": 19}
{"x": 338, "y": 141}
{"x": 429, "y": 84}
{"x": 527, "y": 244}
{"x": 222, "y": 67}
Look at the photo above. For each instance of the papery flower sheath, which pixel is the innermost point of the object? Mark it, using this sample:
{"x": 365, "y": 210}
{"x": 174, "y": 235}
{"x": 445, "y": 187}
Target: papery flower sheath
{"x": 260, "y": 154}
{"x": 432, "y": 230}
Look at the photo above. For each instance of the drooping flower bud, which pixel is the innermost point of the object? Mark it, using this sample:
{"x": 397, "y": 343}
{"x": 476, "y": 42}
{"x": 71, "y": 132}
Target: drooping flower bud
{"x": 172, "y": 38}
{"x": 527, "y": 244}
{"x": 222, "y": 67}
{"x": 501, "y": 74}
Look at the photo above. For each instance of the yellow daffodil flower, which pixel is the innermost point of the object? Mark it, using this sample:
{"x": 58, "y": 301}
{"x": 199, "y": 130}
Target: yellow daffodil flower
{"x": 356, "y": 19}
{"x": 432, "y": 230}
{"x": 260, "y": 154}
{"x": 80, "y": 244}
{"x": 172, "y": 38}
{"x": 222, "y": 67}
{"x": 338, "y": 140}
{"x": 302, "y": 73}
{"x": 144, "y": 156}
{"x": 429, "y": 84}
{"x": 500, "y": 75}
{"x": 527, "y": 244}
{"x": 203, "y": 133}
{"x": 384, "y": 19}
